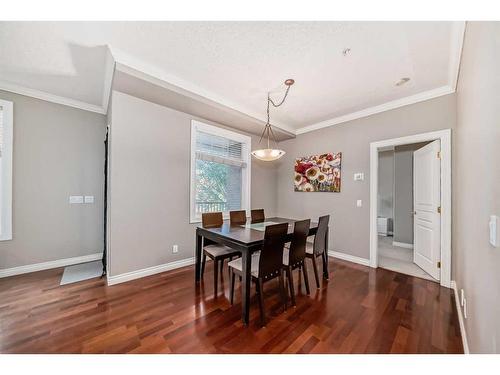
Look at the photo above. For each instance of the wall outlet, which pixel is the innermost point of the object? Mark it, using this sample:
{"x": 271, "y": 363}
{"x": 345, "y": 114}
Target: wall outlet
{"x": 462, "y": 297}
{"x": 89, "y": 199}
{"x": 359, "y": 203}
{"x": 175, "y": 249}
{"x": 75, "y": 199}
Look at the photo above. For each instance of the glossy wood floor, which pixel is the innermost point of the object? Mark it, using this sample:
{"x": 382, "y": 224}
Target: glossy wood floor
{"x": 359, "y": 310}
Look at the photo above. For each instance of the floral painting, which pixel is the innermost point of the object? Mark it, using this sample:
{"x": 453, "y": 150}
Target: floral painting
{"x": 318, "y": 173}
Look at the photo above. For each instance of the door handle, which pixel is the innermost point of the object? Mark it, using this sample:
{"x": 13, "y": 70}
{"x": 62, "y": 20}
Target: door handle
{"x": 413, "y": 212}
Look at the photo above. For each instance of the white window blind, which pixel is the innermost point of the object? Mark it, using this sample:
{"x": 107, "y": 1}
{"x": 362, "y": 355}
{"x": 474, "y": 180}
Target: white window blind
{"x": 220, "y": 178}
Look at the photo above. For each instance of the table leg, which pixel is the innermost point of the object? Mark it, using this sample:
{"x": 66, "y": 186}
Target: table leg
{"x": 325, "y": 259}
{"x": 199, "y": 240}
{"x": 246, "y": 258}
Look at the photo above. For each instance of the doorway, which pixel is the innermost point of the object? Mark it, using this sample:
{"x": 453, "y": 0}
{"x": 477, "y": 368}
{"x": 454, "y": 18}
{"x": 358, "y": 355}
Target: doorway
{"x": 397, "y": 223}
{"x": 410, "y": 212}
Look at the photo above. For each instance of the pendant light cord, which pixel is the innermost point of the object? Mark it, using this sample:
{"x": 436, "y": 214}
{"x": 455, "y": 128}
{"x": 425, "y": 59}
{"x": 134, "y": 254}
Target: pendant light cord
{"x": 268, "y": 129}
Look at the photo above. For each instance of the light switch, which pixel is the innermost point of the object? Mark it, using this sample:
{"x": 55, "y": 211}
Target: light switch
{"x": 359, "y": 176}
{"x": 494, "y": 240}
{"x": 359, "y": 203}
{"x": 89, "y": 199}
{"x": 75, "y": 199}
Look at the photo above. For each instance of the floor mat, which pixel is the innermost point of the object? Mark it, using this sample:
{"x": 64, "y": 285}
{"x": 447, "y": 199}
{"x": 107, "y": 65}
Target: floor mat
{"x": 80, "y": 272}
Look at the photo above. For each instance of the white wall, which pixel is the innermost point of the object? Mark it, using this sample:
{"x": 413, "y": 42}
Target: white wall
{"x": 58, "y": 151}
{"x": 386, "y": 184}
{"x": 476, "y": 184}
{"x": 149, "y": 185}
{"x": 350, "y": 226}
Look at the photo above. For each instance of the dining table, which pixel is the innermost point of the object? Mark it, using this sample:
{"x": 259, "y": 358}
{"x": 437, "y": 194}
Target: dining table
{"x": 247, "y": 239}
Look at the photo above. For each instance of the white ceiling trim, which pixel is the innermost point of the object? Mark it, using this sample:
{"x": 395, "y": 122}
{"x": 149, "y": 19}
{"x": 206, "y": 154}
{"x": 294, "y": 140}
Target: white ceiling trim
{"x": 108, "y": 80}
{"x": 17, "y": 89}
{"x": 420, "y": 97}
{"x": 175, "y": 83}
{"x": 457, "y": 42}
{"x": 456, "y": 45}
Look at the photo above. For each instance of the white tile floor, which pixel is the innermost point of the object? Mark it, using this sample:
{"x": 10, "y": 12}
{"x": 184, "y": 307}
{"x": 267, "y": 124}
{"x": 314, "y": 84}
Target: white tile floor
{"x": 398, "y": 259}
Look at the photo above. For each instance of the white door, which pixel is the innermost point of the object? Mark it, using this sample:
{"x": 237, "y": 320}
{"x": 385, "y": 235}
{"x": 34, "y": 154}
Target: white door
{"x": 426, "y": 203}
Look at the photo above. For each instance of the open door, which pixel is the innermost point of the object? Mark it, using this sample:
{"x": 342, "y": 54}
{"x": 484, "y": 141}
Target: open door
{"x": 427, "y": 210}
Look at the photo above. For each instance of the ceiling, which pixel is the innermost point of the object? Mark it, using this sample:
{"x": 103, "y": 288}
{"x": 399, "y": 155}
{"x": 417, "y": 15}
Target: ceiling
{"x": 230, "y": 66}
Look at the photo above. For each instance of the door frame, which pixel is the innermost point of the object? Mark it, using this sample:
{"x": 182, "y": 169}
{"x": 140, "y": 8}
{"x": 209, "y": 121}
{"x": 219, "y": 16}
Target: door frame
{"x": 445, "y": 137}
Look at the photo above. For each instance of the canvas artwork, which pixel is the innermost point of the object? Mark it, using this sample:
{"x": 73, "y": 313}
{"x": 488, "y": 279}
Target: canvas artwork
{"x": 318, "y": 173}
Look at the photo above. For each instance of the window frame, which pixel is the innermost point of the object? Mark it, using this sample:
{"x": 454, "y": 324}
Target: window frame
{"x": 245, "y": 175}
{"x": 6, "y": 171}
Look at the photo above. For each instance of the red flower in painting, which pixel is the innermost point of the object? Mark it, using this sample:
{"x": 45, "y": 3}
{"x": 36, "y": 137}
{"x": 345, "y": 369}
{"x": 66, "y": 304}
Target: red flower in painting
{"x": 302, "y": 167}
{"x": 329, "y": 157}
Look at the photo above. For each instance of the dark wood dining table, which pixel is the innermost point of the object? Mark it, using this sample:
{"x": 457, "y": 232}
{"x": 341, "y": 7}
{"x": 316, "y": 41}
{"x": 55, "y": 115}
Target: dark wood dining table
{"x": 246, "y": 240}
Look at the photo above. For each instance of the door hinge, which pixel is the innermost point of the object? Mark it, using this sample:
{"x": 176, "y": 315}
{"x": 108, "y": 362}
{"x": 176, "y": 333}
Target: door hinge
{"x": 439, "y": 209}
{"x": 439, "y": 264}
{"x": 439, "y": 154}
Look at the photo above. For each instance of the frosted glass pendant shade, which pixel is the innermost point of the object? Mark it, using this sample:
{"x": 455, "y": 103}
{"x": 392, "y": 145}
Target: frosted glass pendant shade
{"x": 268, "y": 154}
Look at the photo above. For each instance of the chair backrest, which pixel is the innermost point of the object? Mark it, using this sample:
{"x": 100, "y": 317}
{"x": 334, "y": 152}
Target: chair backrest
{"x": 320, "y": 237}
{"x": 271, "y": 255}
{"x": 212, "y": 219}
{"x": 298, "y": 244}
{"x": 237, "y": 217}
{"x": 258, "y": 215}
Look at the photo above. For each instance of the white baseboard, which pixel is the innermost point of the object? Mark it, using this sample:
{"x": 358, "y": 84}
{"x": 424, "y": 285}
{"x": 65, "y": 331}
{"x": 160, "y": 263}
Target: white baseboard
{"x": 402, "y": 244}
{"x": 117, "y": 279}
{"x": 6, "y": 272}
{"x": 460, "y": 318}
{"x": 349, "y": 258}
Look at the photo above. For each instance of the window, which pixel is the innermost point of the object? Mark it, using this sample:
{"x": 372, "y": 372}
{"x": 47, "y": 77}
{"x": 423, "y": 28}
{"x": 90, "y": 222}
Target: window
{"x": 6, "y": 119}
{"x": 220, "y": 170}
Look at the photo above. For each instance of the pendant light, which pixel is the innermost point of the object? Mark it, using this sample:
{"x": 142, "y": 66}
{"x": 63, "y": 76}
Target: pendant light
{"x": 271, "y": 154}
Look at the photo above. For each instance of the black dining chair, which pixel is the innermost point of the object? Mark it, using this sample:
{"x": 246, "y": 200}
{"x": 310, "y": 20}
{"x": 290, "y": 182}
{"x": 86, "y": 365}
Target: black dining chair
{"x": 294, "y": 257}
{"x": 318, "y": 247}
{"x": 217, "y": 252}
{"x": 257, "y": 215}
{"x": 237, "y": 217}
{"x": 265, "y": 266}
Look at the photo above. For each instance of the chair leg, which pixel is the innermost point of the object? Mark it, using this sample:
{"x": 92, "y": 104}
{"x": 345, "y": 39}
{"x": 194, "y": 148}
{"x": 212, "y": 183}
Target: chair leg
{"x": 203, "y": 261}
{"x": 315, "y": 267}
{"x": 260, "y": 291}
{"x": 284, "y": 299}
{"x": 306, "y": 277}
{"x": 290, "y": 285}
{"x": 221, "y": 267}
{"x": 232, "y": 285}
{"x": 216, "y": 277}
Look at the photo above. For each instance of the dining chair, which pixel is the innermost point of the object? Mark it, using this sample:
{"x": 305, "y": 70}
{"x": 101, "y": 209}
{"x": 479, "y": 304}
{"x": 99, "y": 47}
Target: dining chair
{"x": 294, "y": 257}
{"x": 237, "y": 217}
{"x": 266, "y": 265}
{"x": 217, "y": 252}
{"x": 257, "y": 215}
{"x": 318, "y": 247}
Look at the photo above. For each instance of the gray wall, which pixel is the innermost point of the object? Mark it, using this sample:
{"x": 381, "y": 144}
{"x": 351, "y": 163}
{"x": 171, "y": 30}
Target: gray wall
{"x": 476, "y": 184}
{"x": 58, "y": 151}
{"x": 385, "y": 184}
{"x": 403, "y": 192}
{"x": 150, "y": 179}
{"x": 350, "y": 229}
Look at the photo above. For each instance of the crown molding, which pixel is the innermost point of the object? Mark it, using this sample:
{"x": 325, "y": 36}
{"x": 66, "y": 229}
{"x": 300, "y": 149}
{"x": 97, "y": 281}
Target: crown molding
{"x": 108, "y": 79}
{"x": 140, "y": 69}
{"x": 17, "y": 89}
{"x": 420, "y": 97}
{"x": 456, "y": 46}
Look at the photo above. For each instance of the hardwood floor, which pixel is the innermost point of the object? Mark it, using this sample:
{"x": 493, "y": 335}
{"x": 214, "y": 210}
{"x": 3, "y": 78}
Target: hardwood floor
{"x": 359, "y": 310}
